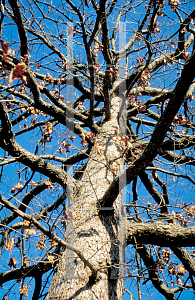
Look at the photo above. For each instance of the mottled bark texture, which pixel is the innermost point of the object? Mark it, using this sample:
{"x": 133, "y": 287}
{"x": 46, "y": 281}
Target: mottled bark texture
{"x": 95, "y": 232}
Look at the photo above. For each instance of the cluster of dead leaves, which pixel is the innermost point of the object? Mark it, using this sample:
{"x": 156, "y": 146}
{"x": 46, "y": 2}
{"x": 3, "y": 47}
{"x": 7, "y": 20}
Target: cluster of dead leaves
{"x": 42, "y": 83}
{"x": 173, "y": 4}
{"x": 48, "y": 130}
{"x": 134, "y": 102}
{"x": 49, "y": 184}
{"x": 48, "y": 78}
{"x": 27, "y": 227}
{"x": 113, "y": 71}
{"x": 179, "y": 120}
{"x": 180, "y": 218}
{"x": 65, "y": 144}
{"x": 18, "y": 71}
{"x": 172, "y": 270}
{"x": 24, "y": 290}
{"x": 169, "y": 61}
{"x": 13, "y": 262}
{"x": 35, "y": 112}
{"x": 64, "y": 65}
{"x": 180, "y": 271}
{"x": 17, "y": 188}
{"x": 144, "y": 78}
{"x": 33, "y": 184}
{"x": 6, "y": 50}
{"x": 165, "y": 255}
{"x": 189, "y": 210}
{"x": 9, "y": 244}
{"x": 41, "y": 242}
{"x": 40, "y": 245}
{"x": 8, "y": 103}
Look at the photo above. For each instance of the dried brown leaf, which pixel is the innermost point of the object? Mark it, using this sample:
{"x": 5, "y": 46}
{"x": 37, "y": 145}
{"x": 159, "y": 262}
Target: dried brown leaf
{"x": 12, "y": 262}
{"x": 18, "y": 73}
{"x": 18, "y": 243}
{"x": 41, "y": 242}
{"x": 24, "y": 290}
{"x": 9, "y": 244}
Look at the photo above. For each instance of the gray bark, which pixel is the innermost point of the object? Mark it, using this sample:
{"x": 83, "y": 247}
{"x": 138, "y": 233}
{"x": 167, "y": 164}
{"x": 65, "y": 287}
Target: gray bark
{"x": 94, "y": 232}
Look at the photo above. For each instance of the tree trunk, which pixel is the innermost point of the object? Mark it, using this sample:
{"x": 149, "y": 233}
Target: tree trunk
{"x": 94, "y": 232}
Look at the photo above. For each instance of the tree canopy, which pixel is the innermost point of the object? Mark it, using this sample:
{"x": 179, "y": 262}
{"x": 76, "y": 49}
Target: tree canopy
{"x": 97, "y": 149}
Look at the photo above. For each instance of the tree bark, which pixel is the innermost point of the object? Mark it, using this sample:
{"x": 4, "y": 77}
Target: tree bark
{"x": 95, "y": 232}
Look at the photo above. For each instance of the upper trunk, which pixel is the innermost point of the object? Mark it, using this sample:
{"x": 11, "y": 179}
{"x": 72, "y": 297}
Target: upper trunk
{"x": 95, "y": 234}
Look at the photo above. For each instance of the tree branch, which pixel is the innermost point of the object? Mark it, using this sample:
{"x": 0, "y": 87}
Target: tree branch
{"x": 161, "y": 234}
{"x": 22, "y": 33}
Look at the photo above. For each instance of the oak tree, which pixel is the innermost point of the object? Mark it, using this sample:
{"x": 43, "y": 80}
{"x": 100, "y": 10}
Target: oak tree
{"x": 97, "y": 149}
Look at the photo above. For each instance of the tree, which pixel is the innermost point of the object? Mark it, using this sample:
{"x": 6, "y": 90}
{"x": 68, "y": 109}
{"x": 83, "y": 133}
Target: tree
{"x": 97, "y": 104}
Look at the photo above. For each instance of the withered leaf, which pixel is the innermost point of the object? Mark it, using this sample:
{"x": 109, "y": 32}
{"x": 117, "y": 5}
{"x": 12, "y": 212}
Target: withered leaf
{"x": 12, "y": 262}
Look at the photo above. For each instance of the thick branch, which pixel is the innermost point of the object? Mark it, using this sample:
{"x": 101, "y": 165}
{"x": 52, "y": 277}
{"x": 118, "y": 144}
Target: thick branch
{"x": 22, "y": 33}
{"x": 161, "y": 234}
